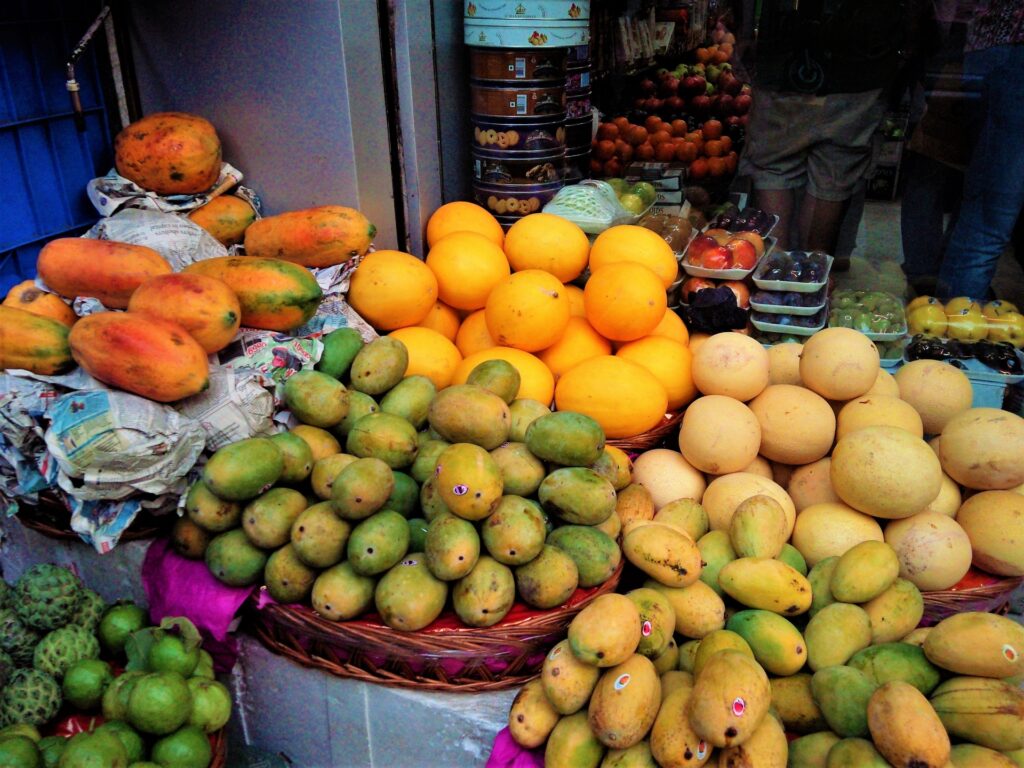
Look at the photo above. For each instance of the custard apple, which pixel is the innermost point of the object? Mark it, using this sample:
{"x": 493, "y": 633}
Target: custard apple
{"x": 17, "y": 639}
{"x": 89, "y": 611}
{"x": 46, "y": 596}
{"x": 6, "y": 668}
{"x": 31, "y": 697}
{"x": 63, "y": 647}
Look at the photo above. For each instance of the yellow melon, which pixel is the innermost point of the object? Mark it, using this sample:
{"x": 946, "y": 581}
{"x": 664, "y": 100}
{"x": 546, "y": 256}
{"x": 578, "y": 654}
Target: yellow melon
{"x": 467, "y": 266}
{"x": 933, "y": 550}
{"x": 392, "y": 289}
{"x": 727, "y": 492}
{"x": 430, "y": 354}
{"x": 797, "y": 426}
{"x": 885, "y": 471}
{"x": 669, "y": 362}
{"x": 811, "y": 484}
{"x": 443, "y": 319}
{"x": 839, "y": 363}
{"x": 878, "y": 410}
{"x": 781, "y": 473}
{"x": 460, "y": 216}
{"x": 784, "y": 363}
{"x": 672, "y": 327}
{"x": 628, "y": 242}
{"x": 548, "y": 242}
{"x": 473, "y": 336}
{"x": 624, "y": 301}
{"x": 759, "y": 466}
{"x": 667, "y": 476}
{"x": 830, "y": 529}
{"x": 719, "y": 435}
{"x": 994, "y": 522}
{"x": 885, "y": 384}
{"x": 621, "y": 396}
{"x": 936, "y": 390}
{"x": 949, "y": 499}
{"x": 575, "y": 294}
{"x": 983, "y": 448}
{"x": 535, "y": 380}
{"x": 731, "y": 364}
{"x": 528, "y": 311}
{"x": 696, "y": 340}
{"x": 579, "y": 342}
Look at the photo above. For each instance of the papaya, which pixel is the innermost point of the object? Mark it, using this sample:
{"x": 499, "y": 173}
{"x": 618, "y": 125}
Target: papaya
{"x": 985, "y": 711}
{"x": 793, "y": 699}
{"x": 170, "y": 153}
{"x": 761, "y": 582}
{"x": 243, "y": 470}
{"x": 154, "y": 358}
{"x": 313, "y": 237}
{"x": 521, "y": 471}
{"x": 274, "y": 294}
{"x": 835, "y": 634}
{"x": 33, "y": 343}
{"x": 567, "y": 681}
{"x": 897, "y": 661}
{"x": 776, "y": 643}
{"x": 905, "y": 728}
{"x": 566, "y": 438}
{"x": 572, "y": 743}
{"x": 204, "y": 306}
{"x": 25, "y": 295}
{"x": 484, "y": 596}
{"x": 730, "y": 698}
{"x": 225, "y": 217}
{"x": 673, "y": 741}
{"x": 663, "y": 553}
{"x": 408, "y": 597}
{"x": 315, "y": 398}
{"x": 531, "y": 717}
{"x": 577, "y": 495}
{"x": 625, "y": 703}
{"x": 767, "y": 747}
{"x": 548, "y": 580}
{"x": 103, "y": 269}
{"x": 977, "y": 644}
{"x": 606, "y": 632}
{"x": 340, "y": 594}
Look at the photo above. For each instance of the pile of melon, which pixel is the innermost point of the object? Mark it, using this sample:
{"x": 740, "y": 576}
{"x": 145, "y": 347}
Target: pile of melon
{"x": 611, "y": 350}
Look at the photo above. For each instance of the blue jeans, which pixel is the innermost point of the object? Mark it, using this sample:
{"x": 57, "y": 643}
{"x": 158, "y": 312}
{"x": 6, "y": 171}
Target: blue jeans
{"x": 994, "y": 181}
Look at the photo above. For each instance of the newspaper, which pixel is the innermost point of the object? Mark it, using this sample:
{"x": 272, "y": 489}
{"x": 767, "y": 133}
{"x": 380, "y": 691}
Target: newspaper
{"x": 110, "y": 444}
{"x": 24, "y": 404}
{"x": 235, "y": 407}
{"x": 271, "y": 356}
{"x": 177, "y": 238}
{"x": 113, "y": 192}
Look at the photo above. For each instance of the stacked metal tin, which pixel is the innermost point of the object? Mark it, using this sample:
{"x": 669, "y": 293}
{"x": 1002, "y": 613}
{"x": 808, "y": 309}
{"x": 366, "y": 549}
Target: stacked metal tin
{"x": 528, "y": 65}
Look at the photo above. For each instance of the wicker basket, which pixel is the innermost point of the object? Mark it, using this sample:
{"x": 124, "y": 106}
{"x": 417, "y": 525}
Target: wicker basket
{"x": 446, "y": 656}
{"x": 977, "y": 591}
{"x": 220, "y": 749}
{"x": 52, "y": 519}
{"x": 651, "y": 438}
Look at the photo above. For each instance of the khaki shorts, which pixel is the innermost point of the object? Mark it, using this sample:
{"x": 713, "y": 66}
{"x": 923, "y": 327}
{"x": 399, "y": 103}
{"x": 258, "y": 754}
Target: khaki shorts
{"x": 821, "y": 142}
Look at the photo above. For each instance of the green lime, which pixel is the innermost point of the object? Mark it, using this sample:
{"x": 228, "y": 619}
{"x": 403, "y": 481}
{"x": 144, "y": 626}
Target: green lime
{"x": 169, "y": 654}
{"x": 132, "y": 742}
{"x": 211, "y": 704}
{"x": 621, "y": 186}
{"x": 20, "y": 729}
{"x": 20, "y": 752}
{"x": 186, "y": 748}
{"x": 115, "y": 698}
{"x": 94, "y": 750}
{"x": 120, "y": 621}
{"x": 52, "y": 747}
{"x": 645, "y": 191}
{"x": 160, "y": 703}
{"x": 205, "y": 666}
{"x": 632, "y": 203}
{"x": 84, "y": 683}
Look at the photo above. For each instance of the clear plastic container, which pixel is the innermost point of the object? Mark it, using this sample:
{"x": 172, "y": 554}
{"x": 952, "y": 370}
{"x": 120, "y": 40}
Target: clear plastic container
{"x": 782, "y": 324}
{"x": 877, "y": 314}
{"x": 592, "y": 205}
{"x": 762, "y": 281}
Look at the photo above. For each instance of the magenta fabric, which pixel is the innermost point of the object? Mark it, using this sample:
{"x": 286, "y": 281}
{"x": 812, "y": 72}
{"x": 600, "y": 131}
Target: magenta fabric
{"x": 507, "y": 754}
{"x": 176, "y": 586}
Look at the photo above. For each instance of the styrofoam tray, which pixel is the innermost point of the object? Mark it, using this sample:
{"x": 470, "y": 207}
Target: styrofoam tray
{"x": 978, "y": 371}
{"x": 778, "y": 309}
{"x": 793, "y": 330}
{"x": 727, "y": 274}
{"x": 783, "y": 285}
{"x": 775, "y": 222}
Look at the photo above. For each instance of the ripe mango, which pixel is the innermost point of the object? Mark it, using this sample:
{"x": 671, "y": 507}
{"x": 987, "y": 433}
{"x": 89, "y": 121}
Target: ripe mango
{"x": 404, "y": 497}
{"x": 673, "y": 740}
{"x": 758, "y": 527}
{"x": 319, "y": 536}
{"x": 210, "y": 512}
{"x": 288, "y": 579}
{"x": 340, "y": 594}
{"x": 566, "y": 438}
{"x": 664, "y": 553}
{"x": 985, "y": 711}
{"x": 234, "y": 560}
{"x": 297, "y": 455}
{"x": 730, "y": 698}
{"x": 379, "y": 366}
{"x": 686, "y": 515}
{"x": 567, "y": 681}
{"x": 531, "y": 717}
{"x": 469, "y": 414}
{"x": 835, "y": 633}
{"x": 897, "y": 661}
{"x": 469, "y": 481}
{"x": 408, "y": 597}
{"x": 842, "y": 694}
{"x": 572, "y": 743}
{"x": 243, "y": 470}
{"x": 719, "y": 640}
{"x": 674, "y": 680}
{"x": 864, "y": 572}
{"x": 326, "y": 471}
{"x": 497, "y": 376}
{"x": 906, "y": 729}
{"x": 611, "y": 527}
{"x": 777, "y": 645}
{"x": 767, "y": 747}
{"x": 625, "y": 703}
{"x": 668, "y": 660}
{"x": 315, "y": 398}
{"x": 917, "y": 637}
{"x": 484, "y": 596}
{"x": 521, "y": 471}
{"x": 596, "y": 555}
{"x": 577, "y": 495}
{"x": 359, "y": 404}
{"x": 267, "y": 519}
{"x": 383, "y": 436}
{"x": 378, "y": 543}
{"x": 522, "y": 413}
{"x": 410, "y": 399}
{"x": 453, "y": 547}
{"x": 321, "y": 442}
{"x": 760, "y": 582}
{"x": 425, "y": 465}
{"x": 418, "y": 527}
{"x": 698, "y": 608}
{"x": 791, "y": 556}
{"x": 793, "y": 699}
{"x": 634, "y": 502}
{"x": 361, "y": 488}
{"x": 894, "y": 613}
{"x": 657, "y": 621}
{"x": 637, "y": 756}
{"x": 548, "y": 580}
{"x": 715, "y": 552}
{"x": 820, "y": 579}
{"x": 973, "y": 756}
{"x": 431, "y": 503}
{"x": 615, "y": 465}
{"x": 514, "y": 534}
{"x": 855, "y": 753}
{"x": 811, "y": 751}
{"x": 340, "y": 348}
{"x": 977, "y": 644}
{"x": 606, "y": 632}
{"x": 688, "y": 656}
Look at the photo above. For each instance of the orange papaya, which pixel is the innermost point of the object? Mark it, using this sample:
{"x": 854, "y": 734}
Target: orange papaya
{"x": 204, "y": 306}
{"x": 104, "y": 269}
{"x": 225, "y": 217}
{"x": 170, "y": 153}
{"x": 274, "y": 294}
{"x": 32, "y": 342}
{"x": 151, "y": 357}
{"x": 313, "y": 237}
{"x": 26, "y": 296}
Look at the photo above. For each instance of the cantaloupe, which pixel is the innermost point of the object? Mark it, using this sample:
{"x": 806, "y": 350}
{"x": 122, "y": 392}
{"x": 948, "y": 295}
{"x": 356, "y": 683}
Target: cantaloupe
{"x": 877, "y": 410}
{"x": 947, "y": 502}
{"x": 730, "y": 364}
{"x": 994, "y": 522}
{"x": 759, "y": 466}
{"x": 938, "y": 391}
{"x": 797, "y": 426}
{"x": 667, "y": 476}
{"x": 839, "y": 363}
{"x": 727, "y": 492}
{"x": 983, "y": 448}
{"x": 719, "y": 435}
{"x": 832, "y": 528}
{"x": 784, "y": 363}
{"x": 934, "y": 550}
{"x": 811, "y": 484}
{"x": 885, "y": 384}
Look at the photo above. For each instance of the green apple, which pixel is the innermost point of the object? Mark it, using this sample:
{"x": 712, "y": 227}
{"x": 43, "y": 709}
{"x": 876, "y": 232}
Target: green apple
{"x": 632, "y": 203}
{"x": 621, "y": 186}
{"x": 645, "y": 191}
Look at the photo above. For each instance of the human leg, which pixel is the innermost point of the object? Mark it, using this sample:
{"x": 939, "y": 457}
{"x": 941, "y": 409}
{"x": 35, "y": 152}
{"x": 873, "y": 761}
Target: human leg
{"x": 820, "y": 221}
{"x": 778, "y": 201}
{"x": 921, "y": 216}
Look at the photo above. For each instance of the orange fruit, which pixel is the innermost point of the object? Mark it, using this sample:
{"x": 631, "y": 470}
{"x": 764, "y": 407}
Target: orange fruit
{"x": 699, "y": 168}
{"x": 575, "y": 294}
{"x": 528, "y": 311}
{"x": 645, "y": 151}
{"x": 624, "y": 301}
{"x": 473, "y": 335}
{"x": 392, "y": 289}
{"x": 660, "y": 135}
{"x": 579, "y": 342}
{"x": 548, "y": 242}
{"x": 628, "y": 242}
{"x": 461, "y": 216}
{"x": 430, "y": 354}
{"x": 713, "y": 148}
{"x": 716, "y": 166}
{"x": 443, "y": 319}
{"x": 672, "y": 327}
{"x": 621, "y": 396}
{"x": 668, "y": 361}
{"x": 467, "y": 266}
{"x": 636, "y": 135}
{"x": 652, "y": 123}
{"x": 535, "y": 380}
{"x": 665, "y": 152}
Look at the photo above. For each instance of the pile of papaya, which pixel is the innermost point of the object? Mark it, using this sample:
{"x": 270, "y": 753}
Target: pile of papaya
{"x": 392, "y": 496}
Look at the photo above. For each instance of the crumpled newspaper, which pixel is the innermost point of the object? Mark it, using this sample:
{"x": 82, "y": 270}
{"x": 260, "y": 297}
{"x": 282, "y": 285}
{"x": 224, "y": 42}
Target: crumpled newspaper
{"x": 112, "y": 192}
{"x": 235, "y": 407}
{"x": 24, "y": 404}
{"x": 111, "y": 444}
{"x": 177, "y": 238}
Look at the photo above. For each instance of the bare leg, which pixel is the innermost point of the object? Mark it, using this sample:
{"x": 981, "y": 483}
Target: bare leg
{"x": 778, "y": 201}
{"x": 819, "y": 223}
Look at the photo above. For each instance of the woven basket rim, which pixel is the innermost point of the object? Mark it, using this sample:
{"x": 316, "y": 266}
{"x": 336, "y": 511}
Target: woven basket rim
{"x": 650, "y": 438}
{"x": 56, "y": 522}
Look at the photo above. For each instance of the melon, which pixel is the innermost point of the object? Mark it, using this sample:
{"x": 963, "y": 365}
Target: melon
{"x": 936, "y": 390}
{"x": 667, "y": 476}
{"x": 621, "y": 396}
{"x": 949, "y": 498}
{"x": 759, "y": 466}
{"x": 719, "y": 435}
{"x": 781, "y": 472}
{"x": 934, "y": 550}
{"x": 797, "y": 426}
{"x": 994, "y": 522}
{"x": 730, "y": 364}
{"x": 811, "y": 484}
{"x": 983, "y": 448}
{"x": 885, "y": 471}
{"x": 839, "y": 363}
{"x": 784, "y": 363}
{"x": 885, "y": 384}
{"x": 727, "y": 492}
{"x": 830, "y": 529}
{"x": 877, "y": 410}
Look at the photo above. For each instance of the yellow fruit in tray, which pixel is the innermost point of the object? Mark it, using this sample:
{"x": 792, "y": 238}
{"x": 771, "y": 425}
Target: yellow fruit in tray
{"x": 929, "y": 319}
{"x": 921, "y": 301}
{"x": 1007, "y": 327}
{"x": 967, "y": 323}
{"x": 998, "y": 308}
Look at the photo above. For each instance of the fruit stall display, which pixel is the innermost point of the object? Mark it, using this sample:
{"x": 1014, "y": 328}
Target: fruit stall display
{"x": 83, "y": 683}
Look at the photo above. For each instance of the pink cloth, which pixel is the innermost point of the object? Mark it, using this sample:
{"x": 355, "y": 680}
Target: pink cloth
{"x": 176, "y": 586}
{"x": 507, "y": 754}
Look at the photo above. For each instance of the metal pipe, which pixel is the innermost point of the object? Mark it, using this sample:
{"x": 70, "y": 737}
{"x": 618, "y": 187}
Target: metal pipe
{"x": 76, "y": 54}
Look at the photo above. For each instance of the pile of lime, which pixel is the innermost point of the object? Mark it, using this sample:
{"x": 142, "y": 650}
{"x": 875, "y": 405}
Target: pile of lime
{"x": 636, "y": 197}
